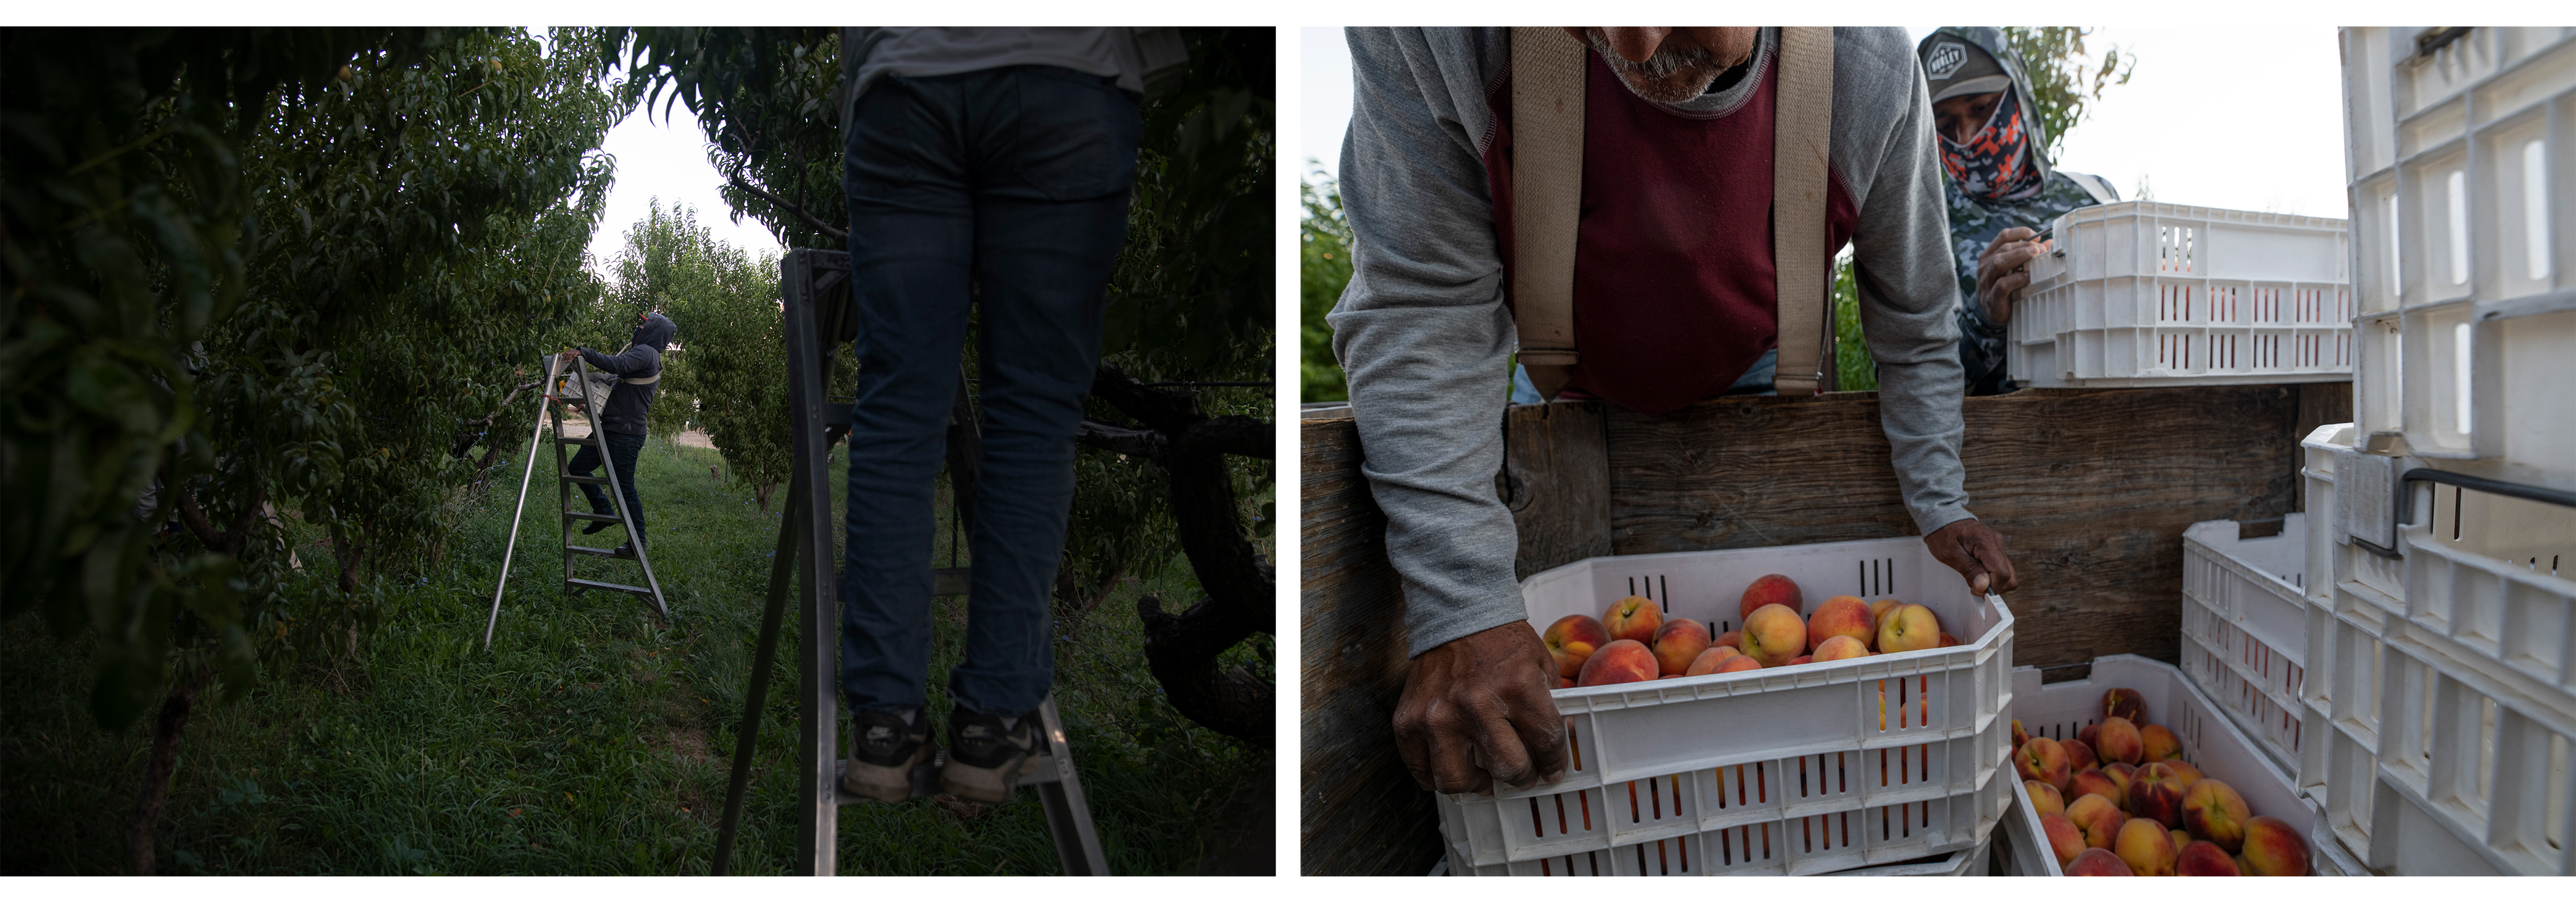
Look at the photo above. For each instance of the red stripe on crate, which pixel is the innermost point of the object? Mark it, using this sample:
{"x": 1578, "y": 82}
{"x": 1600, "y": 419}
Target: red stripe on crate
{"x": 1575, "y": 743}
{"x": 1584, "y": 798}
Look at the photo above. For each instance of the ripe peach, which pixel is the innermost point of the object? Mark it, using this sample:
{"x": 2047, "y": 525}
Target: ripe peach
{"x": 2180, "y": 839}
{"x": 2120, "y": 774}
{"x": 1880, "y": 607}
{"x": 2019, "y": 735}
{"x": 2243, "y": 868}
{"x": 2095, "y": 861}
{"x": 1801, "y": 660}
{"x": 1841, "y": 616}
{"x": 2091, "y": 736}
{"x": 1908, "y": 628}
{"x": 2118, "y": 742}
{"x": 2044, "y": 798}
{"x": 2159, "y": 742}
{"x": 1621, "y": 662}
{"x": 2190, "y": 774}
{"x": 2096, "y": 782}
{"x": 2043, "y": 761}
{"x": 2143, "y": 845}
{"x": 1774, "y": 635}
{"x": 2063, "y": 838}
{"x": 1733, "y": 640}
{"x": 1947, "y": 640}
{"x": 2156, "y": 794}
{"x": 1573, "y": 639}
{"x": 2214, "y": 811}
{"x": 1736, "y": 664}
{"x": 1708, "y": 660}
{"x": 1677, "y": 642}
{"x": 2204, "y": 859}
{"x": 2079, "y": 755}
{"x": 2125, "y": 703}
{"x": 2272, "y": 848}
{"x": 1770, "y": 589}
{"x": 1633, "y": 618}
{"x": 1840, "y": 647}
{"x": 2099, "y": 820}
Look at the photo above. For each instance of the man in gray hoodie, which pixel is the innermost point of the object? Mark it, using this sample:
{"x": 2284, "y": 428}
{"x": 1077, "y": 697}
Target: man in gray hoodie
{"x": 1674, "y": 301}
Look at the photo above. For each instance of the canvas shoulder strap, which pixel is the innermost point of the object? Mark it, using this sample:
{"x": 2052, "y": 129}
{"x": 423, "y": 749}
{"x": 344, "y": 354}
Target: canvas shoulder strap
{"x": 1547, "y": 195}
{"x": 1802, "y": 130}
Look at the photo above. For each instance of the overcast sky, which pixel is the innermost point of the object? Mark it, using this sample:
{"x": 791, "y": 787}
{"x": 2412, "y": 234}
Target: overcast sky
{"x": 2246, "y": 117}
{"x": 668, "y": 159}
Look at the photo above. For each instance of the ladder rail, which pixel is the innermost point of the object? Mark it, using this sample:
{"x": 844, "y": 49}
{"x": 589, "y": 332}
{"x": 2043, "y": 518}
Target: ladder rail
{"x": 616, "y": 492}
{"x": 535, "y": 433}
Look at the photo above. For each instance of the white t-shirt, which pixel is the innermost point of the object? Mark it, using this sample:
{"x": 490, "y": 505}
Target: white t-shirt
{"x": 947, "y": 51}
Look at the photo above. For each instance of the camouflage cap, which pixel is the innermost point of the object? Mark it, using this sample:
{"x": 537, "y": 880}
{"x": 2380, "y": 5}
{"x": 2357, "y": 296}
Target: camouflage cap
{"x": 1954, "y": 66}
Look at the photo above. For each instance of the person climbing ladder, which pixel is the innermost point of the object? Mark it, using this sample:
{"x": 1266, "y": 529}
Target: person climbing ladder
{"x": 638, "y": 369}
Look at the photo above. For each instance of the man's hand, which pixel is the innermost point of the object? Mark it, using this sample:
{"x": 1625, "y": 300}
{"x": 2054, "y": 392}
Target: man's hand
{"x": 2002, "y": 272}
{"x": 569, "y": 353}
{"x": 1476, "y": 710}
{"x": 1972, "y": 549}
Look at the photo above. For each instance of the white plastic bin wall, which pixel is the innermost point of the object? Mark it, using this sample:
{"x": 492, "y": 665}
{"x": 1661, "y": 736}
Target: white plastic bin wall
{"x": 1796, "y": 770}
{"x": 2245, "y": 627}
{"x": 2145, "y": 293}
{"x": 2209, "y": 742}
{"x": 2461, "y": 142}
{"x": 2426, "y": 754}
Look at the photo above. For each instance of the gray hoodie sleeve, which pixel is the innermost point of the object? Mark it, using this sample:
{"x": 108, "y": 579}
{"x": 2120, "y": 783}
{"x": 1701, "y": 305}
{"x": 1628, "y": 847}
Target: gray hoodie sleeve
{"x": 1422, "y": 332}
{"x": 1424, "y": 337}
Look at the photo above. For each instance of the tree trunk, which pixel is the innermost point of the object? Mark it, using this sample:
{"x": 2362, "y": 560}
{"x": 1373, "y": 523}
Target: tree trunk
{"x": 173, "y": 719}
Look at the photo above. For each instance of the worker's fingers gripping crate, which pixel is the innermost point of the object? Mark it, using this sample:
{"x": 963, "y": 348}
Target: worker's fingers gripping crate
{"x": 2245, "y": 627}
{"x": 2209, "y": 742}
{"x": 2430, "y": 764}
{"x": 1794, "y": 770}
{"x": 2460, "y": 149}
{"x": 2143, "y": 293}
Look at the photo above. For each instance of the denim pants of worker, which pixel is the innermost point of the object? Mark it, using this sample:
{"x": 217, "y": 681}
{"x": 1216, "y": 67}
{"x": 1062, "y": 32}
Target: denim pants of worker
{"x": 1011, "y": 184}
{"x": 622, "y": 449}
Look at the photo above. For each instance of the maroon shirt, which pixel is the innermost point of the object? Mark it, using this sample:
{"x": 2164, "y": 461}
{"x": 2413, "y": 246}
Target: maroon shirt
{"x": 1674, "y": 287}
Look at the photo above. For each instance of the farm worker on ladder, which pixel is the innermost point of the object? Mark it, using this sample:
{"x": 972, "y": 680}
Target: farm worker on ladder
{"x": 620, "y": 424}
{"x": 999, "y": 160}
{"x": 1674, "y": 300}
{"x": 1997, "y": 183}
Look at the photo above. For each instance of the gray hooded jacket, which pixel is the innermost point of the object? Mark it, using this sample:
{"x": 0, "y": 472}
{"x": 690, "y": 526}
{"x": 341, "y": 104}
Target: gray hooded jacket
{"x": 638, "y": 369}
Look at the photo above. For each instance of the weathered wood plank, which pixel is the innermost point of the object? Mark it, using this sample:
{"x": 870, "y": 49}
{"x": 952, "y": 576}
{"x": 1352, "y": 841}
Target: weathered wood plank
{"x": 1359, "y": 811}
{"x": 2091, "y": 491}
{"x": 1556, "y": 480}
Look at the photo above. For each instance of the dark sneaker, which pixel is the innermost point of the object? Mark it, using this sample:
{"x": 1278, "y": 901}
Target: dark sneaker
{"x": 596, "y": 526}
{"x": 883, "y": 752}
{"x": 984, "y": 759}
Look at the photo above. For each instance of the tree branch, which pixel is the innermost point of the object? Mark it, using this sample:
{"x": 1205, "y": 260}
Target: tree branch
{"x": 790, "y": 207}
{"x": 1145, "y": 443}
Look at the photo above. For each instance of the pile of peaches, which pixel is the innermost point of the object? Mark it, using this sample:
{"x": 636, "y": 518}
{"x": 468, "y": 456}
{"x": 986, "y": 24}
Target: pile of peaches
{"x": 2139, "y": 809}
{"x": 1634, "y": 642}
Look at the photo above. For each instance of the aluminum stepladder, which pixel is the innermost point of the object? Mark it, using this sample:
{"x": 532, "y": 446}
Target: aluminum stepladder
{"x": 820, "y": 316}
{"x": 553, "y": 398}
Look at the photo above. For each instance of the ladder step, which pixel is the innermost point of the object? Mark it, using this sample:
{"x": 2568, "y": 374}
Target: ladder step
{"x": 575, "y": 440}
{"x": 587, "y": 480}
{"x": 948, "y": 581}
{"x": 577, "y": 584}
{"x": 583, "y": 515}
{"x": 602, "y": 553}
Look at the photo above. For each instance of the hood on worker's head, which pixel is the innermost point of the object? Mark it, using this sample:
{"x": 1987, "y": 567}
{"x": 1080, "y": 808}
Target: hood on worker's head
{"x": 1972, "y": 60}
{"x": 656, "y": 331}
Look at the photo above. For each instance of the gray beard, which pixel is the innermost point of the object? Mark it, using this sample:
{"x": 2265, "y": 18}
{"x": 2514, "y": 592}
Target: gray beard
{"x": 1666, "y": 77}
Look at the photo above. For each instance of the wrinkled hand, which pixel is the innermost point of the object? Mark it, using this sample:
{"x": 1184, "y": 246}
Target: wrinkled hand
{"x": 1977, "y": 553}
{"x": 2002, "y": 271}
{"x": 1476, "y": 710}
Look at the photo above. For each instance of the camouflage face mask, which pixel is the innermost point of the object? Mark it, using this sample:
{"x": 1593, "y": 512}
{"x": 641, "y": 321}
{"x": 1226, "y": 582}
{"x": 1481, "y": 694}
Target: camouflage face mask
{"x": 1996, "y": 162}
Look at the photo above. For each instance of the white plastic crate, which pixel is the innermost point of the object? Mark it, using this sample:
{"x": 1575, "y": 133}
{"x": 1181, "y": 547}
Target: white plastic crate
{"x": 2145, "y": 293}
{"x": 2496, "y": 575}
{"x": 2350, "y": 497}
{"x": 2459, "y": 144}
{"x": 1963, "y": 862}
{"x": 2245, "y": 627}
{"x": 2427, "y": 756}
{"x": 1796, "y": 770}
{"x": 2209, "y": 742}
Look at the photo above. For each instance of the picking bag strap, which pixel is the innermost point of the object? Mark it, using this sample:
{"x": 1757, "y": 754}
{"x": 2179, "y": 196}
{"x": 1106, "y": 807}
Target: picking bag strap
{"x": 1802, "y": 131}
{"x": 1547, "y": 195}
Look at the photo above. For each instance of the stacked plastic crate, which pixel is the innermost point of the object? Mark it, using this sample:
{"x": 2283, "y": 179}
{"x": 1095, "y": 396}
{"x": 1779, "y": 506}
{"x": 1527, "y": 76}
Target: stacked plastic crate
{"x": 2439, "y": 704}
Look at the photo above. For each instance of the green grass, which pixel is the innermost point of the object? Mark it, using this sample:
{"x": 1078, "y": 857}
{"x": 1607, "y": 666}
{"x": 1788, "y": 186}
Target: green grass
{"x": 592, "y": 738}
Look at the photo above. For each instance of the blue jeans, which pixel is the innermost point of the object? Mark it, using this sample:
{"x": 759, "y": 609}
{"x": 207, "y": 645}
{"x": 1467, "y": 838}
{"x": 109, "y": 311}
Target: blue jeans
{"x": 1012, "y": 182}
{"x": 623, "y": 449}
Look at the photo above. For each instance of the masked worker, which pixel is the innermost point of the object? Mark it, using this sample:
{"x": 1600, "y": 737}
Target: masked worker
{"x": 986, "y": 167}
{"x": 1998, "y": 186}
{"x": 1674, "y": 301}
{"x": 620, "y": 424}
